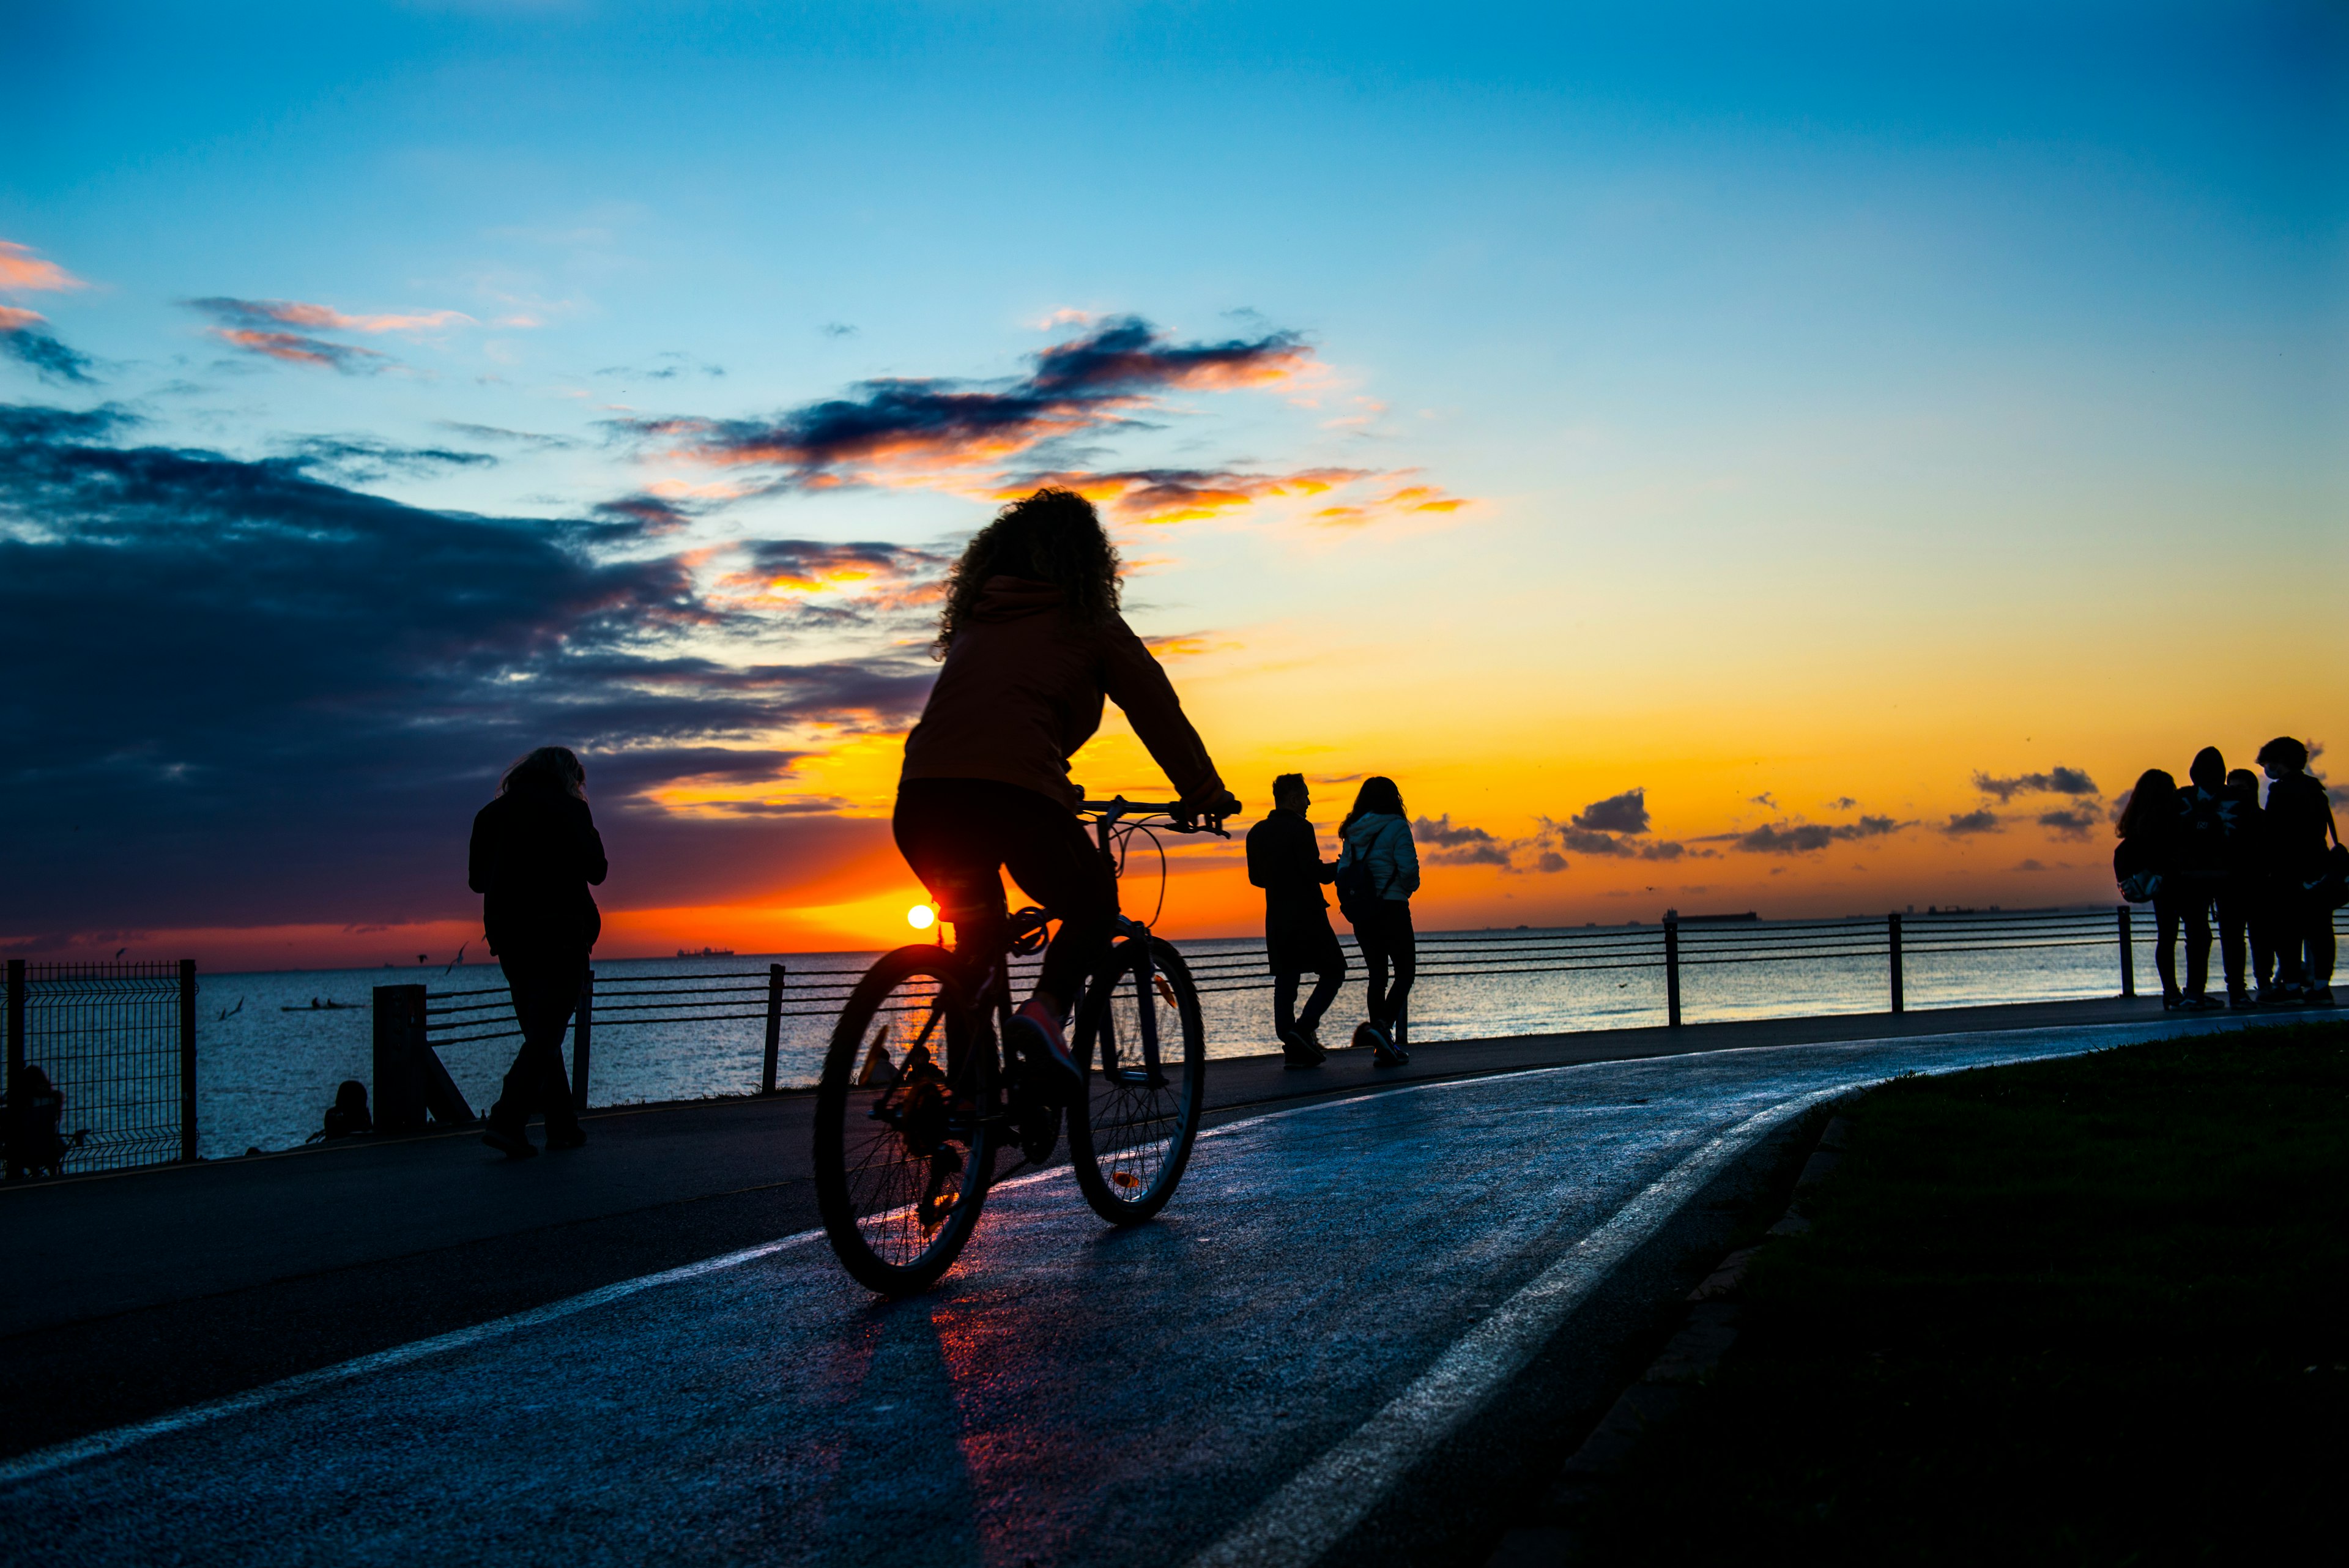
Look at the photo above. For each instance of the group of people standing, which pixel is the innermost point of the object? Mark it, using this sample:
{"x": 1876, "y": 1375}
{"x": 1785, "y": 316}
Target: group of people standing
{"x": 2263, "y": 869}
{"x": 1376, "y": 872}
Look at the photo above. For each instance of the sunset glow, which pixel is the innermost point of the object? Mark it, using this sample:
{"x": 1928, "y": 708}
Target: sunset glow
{"x": 1703, "y": 476}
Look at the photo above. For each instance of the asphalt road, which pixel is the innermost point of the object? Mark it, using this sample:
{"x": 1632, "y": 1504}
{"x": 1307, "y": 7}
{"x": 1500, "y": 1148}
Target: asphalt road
{"x": 1255, "y": 1378}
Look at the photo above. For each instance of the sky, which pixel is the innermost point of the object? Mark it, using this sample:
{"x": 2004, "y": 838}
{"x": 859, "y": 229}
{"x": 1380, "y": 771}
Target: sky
{"x": 1796, "y": 458}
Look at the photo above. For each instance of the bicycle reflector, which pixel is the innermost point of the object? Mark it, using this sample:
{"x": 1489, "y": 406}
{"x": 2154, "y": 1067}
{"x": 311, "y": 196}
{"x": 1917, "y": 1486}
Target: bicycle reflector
{"x": 921, "y": 917}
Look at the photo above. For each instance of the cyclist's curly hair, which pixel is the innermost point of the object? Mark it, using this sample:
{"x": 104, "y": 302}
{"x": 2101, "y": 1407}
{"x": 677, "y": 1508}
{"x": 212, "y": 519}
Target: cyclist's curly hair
{"x": 1053, "y": 537}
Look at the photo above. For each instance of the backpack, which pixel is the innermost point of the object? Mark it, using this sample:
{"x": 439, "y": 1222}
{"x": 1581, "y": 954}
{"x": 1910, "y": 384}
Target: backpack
{"x": 2332, "y": 885}
{"x": 1357, "y": 887}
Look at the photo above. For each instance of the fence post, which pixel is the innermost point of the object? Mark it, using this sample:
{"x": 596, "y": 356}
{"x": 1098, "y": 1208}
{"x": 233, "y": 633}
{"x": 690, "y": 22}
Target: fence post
{"x": 188, "y": 1059}
{"x": 1671, "y": 971}
{"x": 2129, "y": 955}
{"x": 16, "y": 1051}
{"x": 398, "y": 1053}
{"x": 774, "y": 1027}
{"x": 1892, "y": 930}
{"x": 583, "y": 1027}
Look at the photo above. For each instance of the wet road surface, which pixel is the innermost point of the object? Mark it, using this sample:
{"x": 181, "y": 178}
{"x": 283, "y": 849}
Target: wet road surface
{"x": 1237, "y": 1379}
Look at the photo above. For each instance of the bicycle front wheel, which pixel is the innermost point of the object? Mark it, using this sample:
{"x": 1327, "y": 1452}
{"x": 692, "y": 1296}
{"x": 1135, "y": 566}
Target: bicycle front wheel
{"x": 1130, "y": 1134}
{"x": 905, "y": 1132}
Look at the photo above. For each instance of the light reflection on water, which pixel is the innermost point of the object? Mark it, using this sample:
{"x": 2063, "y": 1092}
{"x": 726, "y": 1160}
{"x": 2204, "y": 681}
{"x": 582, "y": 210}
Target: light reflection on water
{"x": 266, "y": 1075}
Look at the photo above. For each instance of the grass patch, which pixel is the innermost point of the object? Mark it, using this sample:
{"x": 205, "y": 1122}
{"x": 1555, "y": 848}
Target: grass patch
{"x": 2064, "y": 1313}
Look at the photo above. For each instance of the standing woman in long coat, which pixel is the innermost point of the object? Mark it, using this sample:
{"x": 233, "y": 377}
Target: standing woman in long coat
{"x": 535, "y": 851}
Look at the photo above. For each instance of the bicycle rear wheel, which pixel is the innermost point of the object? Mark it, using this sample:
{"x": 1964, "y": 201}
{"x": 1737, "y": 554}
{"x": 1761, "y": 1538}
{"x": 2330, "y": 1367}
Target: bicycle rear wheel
{"x": 905, "y": 1131}
{"x": 1130, "y": 1134}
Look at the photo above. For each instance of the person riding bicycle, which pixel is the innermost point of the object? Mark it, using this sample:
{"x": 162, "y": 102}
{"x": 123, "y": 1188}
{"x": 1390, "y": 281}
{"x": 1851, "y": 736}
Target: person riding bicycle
{"x": 1032, "y": 644}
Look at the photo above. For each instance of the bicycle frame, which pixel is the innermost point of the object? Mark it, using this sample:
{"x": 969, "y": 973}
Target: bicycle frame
{"x": 995, "y": 994}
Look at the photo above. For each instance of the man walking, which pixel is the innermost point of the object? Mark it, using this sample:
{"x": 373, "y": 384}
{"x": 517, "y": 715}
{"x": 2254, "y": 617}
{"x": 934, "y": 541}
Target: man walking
{"x": 1284, "y": 858}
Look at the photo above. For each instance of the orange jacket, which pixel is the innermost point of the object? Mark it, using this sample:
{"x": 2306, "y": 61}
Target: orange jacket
{"x": 1022, "y": 689}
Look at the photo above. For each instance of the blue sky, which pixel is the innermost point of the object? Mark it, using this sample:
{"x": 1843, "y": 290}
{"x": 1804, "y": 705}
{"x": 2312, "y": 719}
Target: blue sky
{"x": 1783, "y": 360}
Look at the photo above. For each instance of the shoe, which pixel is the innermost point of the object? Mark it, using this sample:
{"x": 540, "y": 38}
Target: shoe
{"x": 573, "y": 1136}
{"x": 2275, "y": 996}
{"x": 2240, "y": 1000}
{"x": 2172, "y": 1000}
{"x": 1038, "y": 1038}
{"x": 2320, "y": 997}
{"x": 513, "y": 1142}
{"x": 1368, "y": 1036}
{"x": 2198, "y": 1003}
{"x": 1301, "y": 1050}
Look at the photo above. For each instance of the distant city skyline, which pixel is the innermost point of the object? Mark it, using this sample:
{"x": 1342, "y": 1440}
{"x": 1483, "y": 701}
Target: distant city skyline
{"x": 1807, "y": 462}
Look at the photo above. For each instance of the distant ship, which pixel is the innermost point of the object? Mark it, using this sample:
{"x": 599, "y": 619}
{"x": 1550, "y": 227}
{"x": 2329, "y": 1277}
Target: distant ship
{"x": 706, "y": 953}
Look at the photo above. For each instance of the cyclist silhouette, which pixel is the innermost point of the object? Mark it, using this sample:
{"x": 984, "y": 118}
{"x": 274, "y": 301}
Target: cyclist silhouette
{"x": 1032, "y": 644}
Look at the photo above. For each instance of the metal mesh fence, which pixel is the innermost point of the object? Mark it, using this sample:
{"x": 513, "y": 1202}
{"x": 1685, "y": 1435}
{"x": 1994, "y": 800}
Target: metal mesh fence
{"x": 114, "y": 1042}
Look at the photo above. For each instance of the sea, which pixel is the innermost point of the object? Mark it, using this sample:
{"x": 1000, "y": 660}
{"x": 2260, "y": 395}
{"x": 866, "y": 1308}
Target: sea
{"x": 271, "y": 1051}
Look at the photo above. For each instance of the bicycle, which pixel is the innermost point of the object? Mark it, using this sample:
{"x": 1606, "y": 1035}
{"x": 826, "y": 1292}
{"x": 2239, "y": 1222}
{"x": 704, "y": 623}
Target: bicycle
{"x": 906, "y": 1144}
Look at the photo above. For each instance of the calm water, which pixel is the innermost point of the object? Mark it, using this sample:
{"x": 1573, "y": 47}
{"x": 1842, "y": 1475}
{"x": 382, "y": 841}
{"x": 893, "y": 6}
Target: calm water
{"x": 266, "y": 1074}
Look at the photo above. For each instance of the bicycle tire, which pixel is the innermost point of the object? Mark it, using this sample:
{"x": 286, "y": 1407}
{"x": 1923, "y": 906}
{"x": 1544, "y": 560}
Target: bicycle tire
{"x": 877, "y": 1159}
{"x": 1130, "y": 1141}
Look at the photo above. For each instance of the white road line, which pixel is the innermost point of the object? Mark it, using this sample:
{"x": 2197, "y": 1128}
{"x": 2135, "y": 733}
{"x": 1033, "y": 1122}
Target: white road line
{"x": 1327, "y": 1499}
{"x": 44, "y": 1461}
{"x": 1298, "y": 1524}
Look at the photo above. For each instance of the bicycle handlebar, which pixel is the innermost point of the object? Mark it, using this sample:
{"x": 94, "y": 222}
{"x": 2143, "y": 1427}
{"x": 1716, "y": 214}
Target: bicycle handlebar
{"x": 1180, "y": 821}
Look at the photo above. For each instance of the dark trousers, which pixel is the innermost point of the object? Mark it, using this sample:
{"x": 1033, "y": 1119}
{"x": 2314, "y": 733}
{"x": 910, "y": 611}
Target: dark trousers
{"x": 545, "y": 987}
{"x": 2259, "y": 925}
{"x": 2182, "y": 902}
{"x": 2303, "y": 936}
{"x": 959, "y": 834}
{"x": 1388, "y": 942}
{"x": 2234, "y": 900}
{"x": 1326, "y": 982}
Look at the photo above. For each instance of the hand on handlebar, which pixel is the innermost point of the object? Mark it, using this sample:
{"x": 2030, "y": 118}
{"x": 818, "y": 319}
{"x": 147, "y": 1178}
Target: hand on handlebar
{"x": 1207, "y": 817}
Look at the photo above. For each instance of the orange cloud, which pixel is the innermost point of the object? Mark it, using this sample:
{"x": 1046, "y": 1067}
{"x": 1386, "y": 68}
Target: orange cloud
{"x": 906, "y": 430}
{"x": 296, "y": 313}
{"x": 295, "y": 350}
{"x": 22, "y": 270}
{"x": 15, "y": 321}
{"x": 1410, "y": 498}
{"x": 1183, "y": 495}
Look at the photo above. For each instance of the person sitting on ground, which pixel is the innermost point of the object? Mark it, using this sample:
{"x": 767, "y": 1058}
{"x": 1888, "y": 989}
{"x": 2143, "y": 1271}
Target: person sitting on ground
{"x": 1033, "y": 644}
{"x": 347, "y": 1117}
{"x": 1377, "y": 898}
{"x": 2297, "y": 824}
{"x": 535, "y": 851}
{"x": 1284, "y": 858}
{"x": 37, "y": 1112}
{"x": 2242, "y": 900}
{"x": 2144, "y": 866}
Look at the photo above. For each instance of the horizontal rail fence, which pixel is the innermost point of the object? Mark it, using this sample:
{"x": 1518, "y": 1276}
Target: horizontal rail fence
{"x": 1675, "y": 946}
{"x": 117, "y": 1046}
{"x": 485, "y": 1014}
{"x": 769, "y": 1003}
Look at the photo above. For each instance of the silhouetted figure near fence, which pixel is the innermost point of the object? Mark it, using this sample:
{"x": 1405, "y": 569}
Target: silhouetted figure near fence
{"x": 535, "y": 850}
{"x": 1377, "y": 871}
{"x": 2213, "y": 848}
{"x": 347, "y": 1117}
{"x": 2298, "y": 830}
{"x": 2248, "y": 890}
{"x": 2145, "y": 862}
{"x": 36, "y": 1109}
{"x": 1284, "y": 858}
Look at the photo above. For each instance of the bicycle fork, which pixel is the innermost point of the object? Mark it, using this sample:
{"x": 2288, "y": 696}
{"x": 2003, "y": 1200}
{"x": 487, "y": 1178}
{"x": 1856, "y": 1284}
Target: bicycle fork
{"x": 1145, "y": 1001}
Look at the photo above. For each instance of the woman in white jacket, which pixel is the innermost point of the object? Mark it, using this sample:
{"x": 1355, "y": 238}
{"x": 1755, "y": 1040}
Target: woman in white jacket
{"x": 1377, "y": 871}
